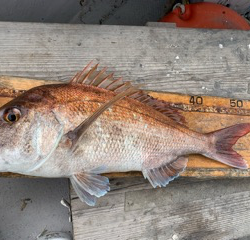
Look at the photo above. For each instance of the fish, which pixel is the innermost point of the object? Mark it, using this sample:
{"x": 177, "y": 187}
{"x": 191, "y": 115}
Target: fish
{"x": 96, "y": 124}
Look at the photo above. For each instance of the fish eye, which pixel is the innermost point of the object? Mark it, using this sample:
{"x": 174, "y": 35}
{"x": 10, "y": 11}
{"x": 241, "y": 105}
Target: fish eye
{"x": 12, "y": 115}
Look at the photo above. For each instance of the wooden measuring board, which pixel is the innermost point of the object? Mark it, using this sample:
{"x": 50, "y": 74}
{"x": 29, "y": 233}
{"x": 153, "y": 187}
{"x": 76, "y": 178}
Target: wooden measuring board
{"x": 202, "y": 114}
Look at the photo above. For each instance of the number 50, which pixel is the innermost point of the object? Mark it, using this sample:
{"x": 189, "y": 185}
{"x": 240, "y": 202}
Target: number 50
{"x": 236, "y": 103}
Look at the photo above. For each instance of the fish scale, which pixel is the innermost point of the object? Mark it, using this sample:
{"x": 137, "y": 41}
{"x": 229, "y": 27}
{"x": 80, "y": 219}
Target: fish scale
{"x": 98, "y": 124}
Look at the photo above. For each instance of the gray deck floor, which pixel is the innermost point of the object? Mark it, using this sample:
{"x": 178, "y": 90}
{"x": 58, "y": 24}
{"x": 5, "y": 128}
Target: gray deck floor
{"x": 29, "y": 207}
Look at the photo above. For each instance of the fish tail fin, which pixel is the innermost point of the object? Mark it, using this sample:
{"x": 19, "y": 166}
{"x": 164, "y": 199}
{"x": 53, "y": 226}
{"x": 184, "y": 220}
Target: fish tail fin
{"x": 223, "y": 140}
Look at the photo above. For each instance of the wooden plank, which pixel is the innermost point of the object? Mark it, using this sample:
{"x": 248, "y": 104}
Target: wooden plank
{"x": 214, "y": 62}
{"x": 216, "y": 113}
{"x": 161, "y": 24}
{"x": 186, "y": 209}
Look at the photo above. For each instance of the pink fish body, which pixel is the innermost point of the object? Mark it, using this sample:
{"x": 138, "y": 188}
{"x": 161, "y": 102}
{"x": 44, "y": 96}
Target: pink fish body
{"x": 96, "y": 124}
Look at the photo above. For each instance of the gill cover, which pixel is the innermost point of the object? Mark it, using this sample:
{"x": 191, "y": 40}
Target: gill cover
{"x": 46, "y": 138}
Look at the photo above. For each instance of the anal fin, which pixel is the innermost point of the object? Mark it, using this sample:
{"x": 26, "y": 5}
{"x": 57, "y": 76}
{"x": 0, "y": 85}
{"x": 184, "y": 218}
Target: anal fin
{"x": 90, "y": 186}
{"x": 161, "y": 176}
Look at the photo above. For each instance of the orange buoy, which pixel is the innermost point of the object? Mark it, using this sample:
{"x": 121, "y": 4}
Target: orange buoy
{"x": 206, "y": 15}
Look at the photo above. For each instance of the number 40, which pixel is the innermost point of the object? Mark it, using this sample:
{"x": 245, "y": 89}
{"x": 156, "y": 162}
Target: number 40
{"x": 196, "y": 100}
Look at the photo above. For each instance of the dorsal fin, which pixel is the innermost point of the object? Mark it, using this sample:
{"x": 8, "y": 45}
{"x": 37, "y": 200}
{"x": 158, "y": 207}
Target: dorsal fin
{"x": 99, "y": 78}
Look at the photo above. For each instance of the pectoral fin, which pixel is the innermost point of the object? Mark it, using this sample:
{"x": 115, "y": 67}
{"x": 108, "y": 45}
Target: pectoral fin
{"x": 90, "y": 186}
{"x": 77, "y": 134}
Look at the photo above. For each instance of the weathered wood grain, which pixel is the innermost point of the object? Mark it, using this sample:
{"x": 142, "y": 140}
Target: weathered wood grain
{"x": 209, "y": 62}
{"x": 214, "y": 62}
{"x": 187, "y": 209}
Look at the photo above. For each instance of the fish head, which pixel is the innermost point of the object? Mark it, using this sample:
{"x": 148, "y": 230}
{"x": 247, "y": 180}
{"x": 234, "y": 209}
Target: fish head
{"x": 29, "y": 131}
